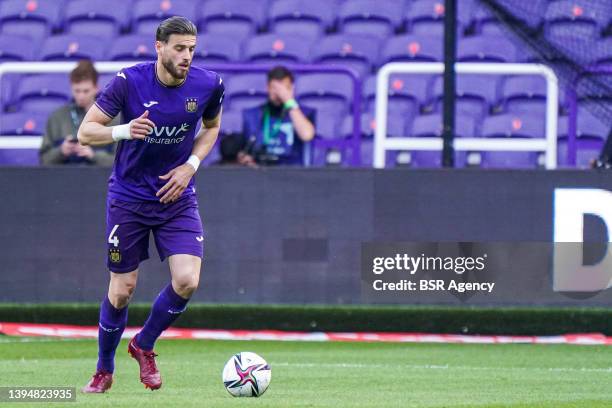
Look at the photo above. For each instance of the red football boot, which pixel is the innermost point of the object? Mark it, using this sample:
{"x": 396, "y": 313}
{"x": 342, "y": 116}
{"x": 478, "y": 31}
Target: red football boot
{"x": 99, "y": 383}
{"x": 149, "y": 374}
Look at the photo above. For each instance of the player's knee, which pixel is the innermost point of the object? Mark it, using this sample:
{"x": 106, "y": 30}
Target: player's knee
{"x": 186, "y": 285}
{"x": 120, "y": 295}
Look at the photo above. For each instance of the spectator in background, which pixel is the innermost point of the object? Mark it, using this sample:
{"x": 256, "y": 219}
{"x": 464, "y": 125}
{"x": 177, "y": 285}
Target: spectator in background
{"x": 60, "y": 144}
{"x": 277, "y": 130}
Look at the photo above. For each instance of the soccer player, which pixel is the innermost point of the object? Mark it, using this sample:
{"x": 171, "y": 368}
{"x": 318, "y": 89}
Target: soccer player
{"x": 151, "y": 187}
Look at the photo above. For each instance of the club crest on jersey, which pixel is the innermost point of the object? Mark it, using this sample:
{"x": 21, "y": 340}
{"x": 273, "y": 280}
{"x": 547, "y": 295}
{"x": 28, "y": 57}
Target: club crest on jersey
{"x": 191, "y": 104}
{"x": 114, "y": 255}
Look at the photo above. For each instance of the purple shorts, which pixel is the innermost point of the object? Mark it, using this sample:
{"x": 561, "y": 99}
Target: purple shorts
{"x": 176, "y": 227}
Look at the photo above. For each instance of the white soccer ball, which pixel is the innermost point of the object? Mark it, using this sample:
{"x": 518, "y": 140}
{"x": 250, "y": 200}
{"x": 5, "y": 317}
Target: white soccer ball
{"x": 246, "y": 375}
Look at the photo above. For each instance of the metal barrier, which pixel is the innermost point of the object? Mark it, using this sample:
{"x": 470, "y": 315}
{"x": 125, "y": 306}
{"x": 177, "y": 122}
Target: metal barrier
{"x": 548, "y": 145}
{"x": 32, "y": 142}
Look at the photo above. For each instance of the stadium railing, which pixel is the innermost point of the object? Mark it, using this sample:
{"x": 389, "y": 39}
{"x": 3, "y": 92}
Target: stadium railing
{"x": 352, "y": 143}
{"x": 382, "y": 143}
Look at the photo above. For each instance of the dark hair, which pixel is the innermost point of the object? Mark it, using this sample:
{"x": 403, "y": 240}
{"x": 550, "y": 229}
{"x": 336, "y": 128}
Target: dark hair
{"x": 230, "y": 146}
{"x": 279, "y": 72}
{"x": 175, "y": 25}
{"x": 84, "y": 71}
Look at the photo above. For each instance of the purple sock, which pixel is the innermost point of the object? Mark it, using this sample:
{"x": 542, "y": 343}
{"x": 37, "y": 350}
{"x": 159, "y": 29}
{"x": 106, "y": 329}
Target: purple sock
{"x": 110, "y": 329}
{"x": 167, "y": 308}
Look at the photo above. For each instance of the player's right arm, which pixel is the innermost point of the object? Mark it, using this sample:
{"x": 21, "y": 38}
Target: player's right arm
{"x": 95, "y": 132}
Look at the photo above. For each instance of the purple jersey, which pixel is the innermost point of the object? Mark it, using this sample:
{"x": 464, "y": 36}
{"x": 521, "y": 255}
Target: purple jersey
{"x": 174, "y": 110}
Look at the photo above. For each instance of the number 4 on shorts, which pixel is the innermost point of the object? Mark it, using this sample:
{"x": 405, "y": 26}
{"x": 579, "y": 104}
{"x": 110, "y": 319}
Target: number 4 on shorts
{"x": 114, "y": 239}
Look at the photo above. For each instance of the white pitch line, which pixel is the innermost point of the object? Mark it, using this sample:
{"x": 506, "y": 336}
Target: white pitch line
{"x": 444, "y": 367}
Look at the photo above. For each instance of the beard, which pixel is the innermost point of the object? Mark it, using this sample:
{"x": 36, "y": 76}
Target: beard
{"x": 173, "y": 71}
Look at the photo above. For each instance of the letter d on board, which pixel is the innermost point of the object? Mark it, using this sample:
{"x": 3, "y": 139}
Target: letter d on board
{"x": 569, "y": 272}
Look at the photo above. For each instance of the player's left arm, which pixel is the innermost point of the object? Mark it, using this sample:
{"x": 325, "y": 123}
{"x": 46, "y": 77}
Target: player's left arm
{"x": 179, "y": 177}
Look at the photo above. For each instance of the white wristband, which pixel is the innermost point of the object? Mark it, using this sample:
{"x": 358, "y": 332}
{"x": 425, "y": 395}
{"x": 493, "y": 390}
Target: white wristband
{"x": 121, "y": 132}
{"x": 194, "y": 161}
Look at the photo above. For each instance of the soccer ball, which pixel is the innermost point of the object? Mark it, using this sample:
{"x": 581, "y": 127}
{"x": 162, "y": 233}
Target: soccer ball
{"x": 246, "y": 375}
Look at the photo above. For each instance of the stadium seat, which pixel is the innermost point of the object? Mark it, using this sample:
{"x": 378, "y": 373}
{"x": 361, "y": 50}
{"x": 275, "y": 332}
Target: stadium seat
{"x": 23, "y": 123}
{"x": 484, "y": 48}
{"x": 246, "y": 90}
{"x": 513, "y": 125}
{"x": 72, "y": 47}
{"x": 524, "y": 94}
{"x": 133, "y": 47}
{"x": 43, "y": 92}
{"x": 308, "y": 18}
{"x": 101, "y": 19}
{"x": 277, "y": 49}
{"x": 431, "y": 126}
{"x": 355, "y": 51}
{"x": 29, "y": 18}
{"x": 379, "y": 19}
{"x": 476, "y": 94}
{"x": 232, "y": 122}
{"x": 19, "y": 157}
{"x": 16, "y": 48}
{"x": 581, "y": 18}
{"x": 234, "y": 18}
{"x": 330, "y": 93}
{"x": 215, "y": 48}
{"x": 412, "y": 48}
{"x": 509, "y": 160}
{"x": 603, "y": 51}
{"x": 406, "y": 93}
{"x": 327, "y": 125}
{"x": 426, "y": 17}
{"x": 591, "y": 134}
{"x": 147, "y": 14}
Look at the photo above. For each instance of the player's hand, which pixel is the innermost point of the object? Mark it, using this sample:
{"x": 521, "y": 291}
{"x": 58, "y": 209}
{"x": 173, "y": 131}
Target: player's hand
{"x": 178, "y": 180}
{"x": 141, "y": 126}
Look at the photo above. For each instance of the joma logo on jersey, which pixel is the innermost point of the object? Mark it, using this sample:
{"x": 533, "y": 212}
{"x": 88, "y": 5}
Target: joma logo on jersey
{"x": 167, "y": 134}
{"x": 191, "y": 104}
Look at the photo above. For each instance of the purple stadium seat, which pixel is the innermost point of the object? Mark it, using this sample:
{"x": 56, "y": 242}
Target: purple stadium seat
{"x": 235, "y": 18}
{"x": 524, "y": 94}
{"x": 16, "y": 48}
{"x": 379, "y": 19}
{"x": 486, "y": 49}
{"x": 308, "y": 18}
{"x": 603, "y": 51}
{"x": 475, "y": 93}
{"x": 426, "y": 17}
{"x": 509, "y": 160}
{"x": 42, "y": 92}
{"x": 72, "y": 47}
{"x": 329, "y": 93}
{"x": 595, "y": 86}
{"x": 246, "y": 90}
{"x": 215, "y": 48}
{"x": 412, "y": 48}
{"x": 147, "y": 14}
{"x": 29, "y": 18}
{"x": 431, "y": 126}
{"x": 277, "y": 49}
{"x": 591, "y": 134}
{"x": 327, "y": 125}
{"x": 511, "y": 125}
{"x": 19, "y": 157}
{"x": 433, "y": 159}
{"x": 406, "y": 93}
{"x": 232, "y": 122}
{"x": 23, "y": 123}
{"x": 355, "y": 51}
{"x": 102, "y": 19}
{"x": 579, "y": 17}
{"x": 133, "y": 47}
{"x": 396, "y": 125}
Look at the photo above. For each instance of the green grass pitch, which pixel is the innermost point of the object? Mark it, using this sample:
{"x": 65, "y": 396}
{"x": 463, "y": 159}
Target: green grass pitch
{"x": 327, "y": 374}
